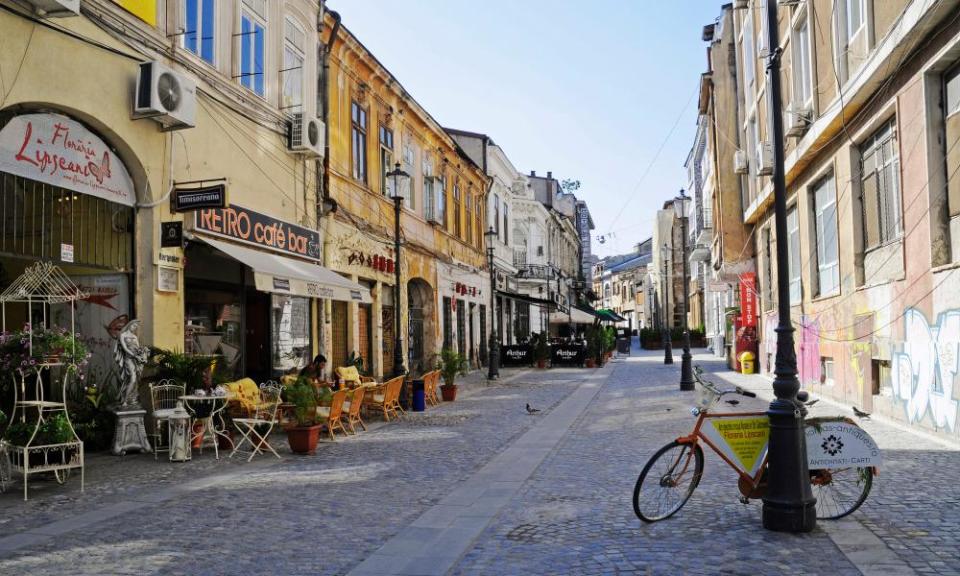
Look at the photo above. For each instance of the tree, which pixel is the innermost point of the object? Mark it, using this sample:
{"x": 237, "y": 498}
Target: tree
{"x": 570, "y": 185}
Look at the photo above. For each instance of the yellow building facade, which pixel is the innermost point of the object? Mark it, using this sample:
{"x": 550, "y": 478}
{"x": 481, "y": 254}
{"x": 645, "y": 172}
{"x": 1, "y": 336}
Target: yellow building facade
{"x": 374, "y": 125}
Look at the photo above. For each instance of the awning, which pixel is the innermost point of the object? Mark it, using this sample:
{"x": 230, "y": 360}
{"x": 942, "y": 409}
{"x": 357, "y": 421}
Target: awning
{"x": 283, "y": 275}
{"x": 576, "y": 316}
{"x": 526, "y": 298}
{"x": 609, "y": 315}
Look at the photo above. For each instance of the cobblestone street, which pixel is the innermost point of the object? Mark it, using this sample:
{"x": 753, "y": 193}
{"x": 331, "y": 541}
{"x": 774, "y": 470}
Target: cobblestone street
{"x": 480, "y": 487}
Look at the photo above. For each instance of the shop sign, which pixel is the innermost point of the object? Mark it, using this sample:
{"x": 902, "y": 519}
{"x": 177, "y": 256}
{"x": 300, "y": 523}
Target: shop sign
{"x": 516, "y": 355}
{"x": 145, "y": 10}
{"x": 171, "y": 234}
{"x": 166, "y": 258}
{"x": 376, "y": 261}
{"x": 742, "y": 439}
{"x": 56, "y": 150}
{"x": 281, "y": 284}
{"x": 839, "y": 444}
{"x": 66, "y": 253}
{"x": 168, "y": 279}
{"x": 572, "y": 354}
{"x": 464, "y": 290}
{"x": 748, "y": 299}
{"x": 244, "y": 225}
{"x": 189, "y": 199}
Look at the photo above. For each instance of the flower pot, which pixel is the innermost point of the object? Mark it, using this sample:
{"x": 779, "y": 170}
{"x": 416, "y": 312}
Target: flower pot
{"x": 303, "y": 439}
{"x": 541, "y": 363}
{"x": 448, "y": 392}
{"x": 591, "y": 363}
{"x": 197, "y": 438}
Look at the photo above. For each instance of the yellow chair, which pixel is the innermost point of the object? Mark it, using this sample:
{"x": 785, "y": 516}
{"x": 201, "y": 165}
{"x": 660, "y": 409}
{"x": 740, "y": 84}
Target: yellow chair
{"x": 331, "y": 416}
{"x": 385, "y": 397}
{"x": 246, "y": 396}
{"x": 350, "y": 377}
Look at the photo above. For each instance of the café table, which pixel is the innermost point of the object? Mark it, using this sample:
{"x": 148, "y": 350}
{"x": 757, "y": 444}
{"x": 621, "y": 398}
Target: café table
{"x": 206, "y": 409}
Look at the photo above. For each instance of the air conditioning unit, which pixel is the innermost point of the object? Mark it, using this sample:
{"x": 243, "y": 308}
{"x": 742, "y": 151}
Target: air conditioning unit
{"x": 305, "y": 135}
{"x": 55, "y": 8}
{"x": 764, "y": 158}
{"x": 741, "y": 164}
{"x": 741, "y": 4}
{"x": 165, "y": 96}
{"x": 796, "y": 121}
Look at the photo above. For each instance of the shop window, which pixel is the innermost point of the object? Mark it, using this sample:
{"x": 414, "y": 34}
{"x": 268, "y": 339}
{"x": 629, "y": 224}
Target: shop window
{"x": 253, "y": 26}
{"x": 358, "y": 130}
{"x": 826, "y": 371}
{"x": 292, "y": 73}
{"x": 198, "y": 19}
{"x": 290, "y": 332}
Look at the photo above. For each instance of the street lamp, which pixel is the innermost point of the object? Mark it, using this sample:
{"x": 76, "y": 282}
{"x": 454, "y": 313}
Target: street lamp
{"x": 681, "y": 204}
{"x": 493, "y": 366}
{"x": 667, "y": 337}
{"x": 788, "y": 505}
{"x": 397, "y": 175}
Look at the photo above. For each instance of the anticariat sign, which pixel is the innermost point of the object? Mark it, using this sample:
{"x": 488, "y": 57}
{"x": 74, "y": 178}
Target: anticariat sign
{"x": 245, "y": 225}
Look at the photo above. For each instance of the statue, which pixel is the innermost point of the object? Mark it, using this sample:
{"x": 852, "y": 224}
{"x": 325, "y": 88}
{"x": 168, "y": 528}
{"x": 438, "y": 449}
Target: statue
{"x": 130, "y": 357}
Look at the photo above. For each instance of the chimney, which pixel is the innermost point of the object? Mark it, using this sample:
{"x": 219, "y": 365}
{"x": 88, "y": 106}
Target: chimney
{"x": 533, "y": 172}
{"x": 549, "y": 174}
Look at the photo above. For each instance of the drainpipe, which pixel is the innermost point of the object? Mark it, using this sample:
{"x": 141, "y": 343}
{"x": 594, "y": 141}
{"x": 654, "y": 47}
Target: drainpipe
{"x": 323, "y": 169}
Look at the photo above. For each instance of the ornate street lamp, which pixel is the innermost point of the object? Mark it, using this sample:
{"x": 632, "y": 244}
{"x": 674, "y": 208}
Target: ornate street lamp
{"x": 493, "y": 366}
{"x": 681, "y": 204}
{"x": 667, "y": 337}
{"x": 398, "y": 176}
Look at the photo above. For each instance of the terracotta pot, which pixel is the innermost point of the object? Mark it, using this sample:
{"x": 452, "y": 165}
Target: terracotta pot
{"x": 541, "y": 363}
{"x": 591, "y": 363}
{"x": 197, "y": 440}
{"x": 303, "y": 439}
{"x": 448, "y": 392}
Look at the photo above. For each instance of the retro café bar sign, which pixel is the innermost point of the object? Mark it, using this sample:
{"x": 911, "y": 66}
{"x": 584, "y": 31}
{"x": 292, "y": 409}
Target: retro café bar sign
{"x": 56, "y": 150}
{"x": 247, "y": 226}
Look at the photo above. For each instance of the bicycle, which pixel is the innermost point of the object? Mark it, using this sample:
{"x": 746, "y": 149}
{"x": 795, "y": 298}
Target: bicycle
{"x": 840, "y": 481}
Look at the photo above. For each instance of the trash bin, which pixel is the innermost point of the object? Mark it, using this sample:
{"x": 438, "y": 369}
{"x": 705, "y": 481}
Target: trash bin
{"x": 419, "y": 397}
{"x": 746, "y": 363}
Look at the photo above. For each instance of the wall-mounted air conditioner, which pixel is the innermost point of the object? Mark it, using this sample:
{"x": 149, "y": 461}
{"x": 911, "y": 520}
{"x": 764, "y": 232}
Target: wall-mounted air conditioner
{"x": 741, "y": 164}
{"x": 764, "y": 158}
{"x": 55, "y": 8}
{"x": 796, "y": 120}
{"x": 165, "y": 96}
{"x": 305, "y": 135}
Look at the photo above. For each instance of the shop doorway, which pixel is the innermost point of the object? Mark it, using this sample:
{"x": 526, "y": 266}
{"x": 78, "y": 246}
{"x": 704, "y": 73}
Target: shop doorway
{"x": 420, "y": 349}
{"x": 257, "y": 335}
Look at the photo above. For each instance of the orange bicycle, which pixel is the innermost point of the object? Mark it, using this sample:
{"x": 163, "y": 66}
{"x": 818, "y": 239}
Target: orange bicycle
{"x": 841, "y": 457}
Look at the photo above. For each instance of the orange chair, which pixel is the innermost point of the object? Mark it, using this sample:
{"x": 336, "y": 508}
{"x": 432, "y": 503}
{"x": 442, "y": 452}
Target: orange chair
{"x": 352, "y": 409}
{"x": 385, "y": 397}
{"x": 331, "y": 417}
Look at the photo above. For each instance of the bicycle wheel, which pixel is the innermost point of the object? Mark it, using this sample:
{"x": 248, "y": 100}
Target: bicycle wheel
{"x": 667, "y": 481}
{"x": 840, "y": 491}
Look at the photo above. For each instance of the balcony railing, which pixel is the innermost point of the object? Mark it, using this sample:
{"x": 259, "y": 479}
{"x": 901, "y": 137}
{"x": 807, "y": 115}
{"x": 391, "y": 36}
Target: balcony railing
{"x": 535, "y": 271}
{"x": 519, "y": 258}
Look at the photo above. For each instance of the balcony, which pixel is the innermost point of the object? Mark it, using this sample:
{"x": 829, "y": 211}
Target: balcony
{"x": 535, "y": 272}
{"x": 519, "y": 258}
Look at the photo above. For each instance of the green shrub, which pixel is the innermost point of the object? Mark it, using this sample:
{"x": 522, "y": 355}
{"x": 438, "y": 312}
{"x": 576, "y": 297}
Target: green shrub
{"x": 451, "y": 365}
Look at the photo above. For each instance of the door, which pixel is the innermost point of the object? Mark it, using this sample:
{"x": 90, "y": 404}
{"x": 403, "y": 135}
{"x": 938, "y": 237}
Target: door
{"x": 257, "y": 333}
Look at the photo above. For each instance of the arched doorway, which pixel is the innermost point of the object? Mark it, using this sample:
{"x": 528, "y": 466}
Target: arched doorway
{"x": 420, "y": 316}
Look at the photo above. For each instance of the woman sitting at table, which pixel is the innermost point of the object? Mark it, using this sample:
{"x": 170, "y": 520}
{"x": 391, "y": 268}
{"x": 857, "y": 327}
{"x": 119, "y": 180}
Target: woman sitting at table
{"x": 315, "y": 369}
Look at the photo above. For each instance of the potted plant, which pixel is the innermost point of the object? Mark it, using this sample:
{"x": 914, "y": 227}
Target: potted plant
{"x": 594, "y": 346}
{"x": 304, "y": 434}
{"x": 541, "y": 350}
{"x": 451, "y": 365}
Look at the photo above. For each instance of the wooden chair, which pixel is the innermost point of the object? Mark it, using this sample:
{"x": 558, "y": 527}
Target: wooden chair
{"x": 332, "y": 416}
{"x": 385, "y": 397}
{"x": 352, "y": 409}
{"x": 430, "y": 380}
{"x": 163, "y": 399}
{"x": 350, "y": 377}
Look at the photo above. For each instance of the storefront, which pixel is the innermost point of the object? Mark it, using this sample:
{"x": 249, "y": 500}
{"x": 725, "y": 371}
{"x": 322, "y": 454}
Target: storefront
{"x": 250, "y": 284}
{"x": 66, "y": 197}
{"x": 462, "y": 292}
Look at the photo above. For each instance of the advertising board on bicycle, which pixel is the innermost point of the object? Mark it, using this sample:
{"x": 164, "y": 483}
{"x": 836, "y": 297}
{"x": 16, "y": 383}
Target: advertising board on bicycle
{"x": 839, "y": 444}
{"x": 741, "y": 439}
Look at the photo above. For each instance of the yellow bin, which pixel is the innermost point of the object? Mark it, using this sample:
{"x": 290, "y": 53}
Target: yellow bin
{"x": 746, "y": 363}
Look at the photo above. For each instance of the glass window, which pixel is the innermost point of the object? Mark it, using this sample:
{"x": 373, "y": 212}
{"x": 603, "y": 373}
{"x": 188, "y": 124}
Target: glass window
{"x": 748, "y": 55}
{"x": 468, "y": 203}
{"x": 456, "y": 209}
{"x": 292, "y": 74}
{"x": 880, "y": 187}
{"x": 506, "y": 223}
{"x": 358, "y": 119}
{"x": 951, "y": 91}
{"x": 496, "y": 215}
{"x": 290, "y": 332}
{"x": 442, "y": 199}
{"x": 793, "y": 244}
{"x": 252, "y": 32}
{"x": 825, "y": 222}
{"x": 199, "y": 28}
{"x": 801, "y": 63}
{"x": 386, "y": 160}
{"x": 856, "y": 16}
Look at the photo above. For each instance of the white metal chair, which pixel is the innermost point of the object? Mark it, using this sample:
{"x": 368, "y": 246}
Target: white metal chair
{"x": 164, "y": 396}
{"x": 265, "y": 417}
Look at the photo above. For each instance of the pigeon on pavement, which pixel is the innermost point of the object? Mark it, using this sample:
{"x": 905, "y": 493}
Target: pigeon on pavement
{"x": 532, "y": 410}
{"x": 861, "y": 414}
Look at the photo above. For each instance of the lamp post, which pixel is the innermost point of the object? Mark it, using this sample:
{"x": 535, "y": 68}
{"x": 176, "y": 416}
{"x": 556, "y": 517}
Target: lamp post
{"x": 788, "y": 505}
{"x": 493, "y": 367}
{"x": 667, "y": 338}
{"x": 681, "y": 204}
{"x": 397, "y": 175}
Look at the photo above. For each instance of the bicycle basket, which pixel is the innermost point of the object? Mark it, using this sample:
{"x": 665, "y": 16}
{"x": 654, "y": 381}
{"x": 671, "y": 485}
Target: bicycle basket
{"x": 707, "y": 394}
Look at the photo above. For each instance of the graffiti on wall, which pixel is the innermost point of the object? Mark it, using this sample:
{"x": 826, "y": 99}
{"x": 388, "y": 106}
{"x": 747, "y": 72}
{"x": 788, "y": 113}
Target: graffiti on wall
{"x": 808, "y": 351}
{"x": 923, "y": 373}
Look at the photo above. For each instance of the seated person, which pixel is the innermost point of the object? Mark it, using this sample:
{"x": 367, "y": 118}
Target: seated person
{"x": 316, "y": 369}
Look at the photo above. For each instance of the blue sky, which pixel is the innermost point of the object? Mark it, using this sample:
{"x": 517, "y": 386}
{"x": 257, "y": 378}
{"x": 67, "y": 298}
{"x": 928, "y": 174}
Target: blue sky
{"x": 588, "y": 90}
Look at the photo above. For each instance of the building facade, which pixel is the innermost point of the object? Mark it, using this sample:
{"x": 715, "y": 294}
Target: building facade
{"x": 870, "y": 102}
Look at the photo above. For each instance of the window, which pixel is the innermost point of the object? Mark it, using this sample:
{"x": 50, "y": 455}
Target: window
{"x": 410, "y": 150}
{"x": 199, "y": 23}
{"x": 291, "y": 75}
{"x": 496, "y": 215}
{"x": 880, "y": 187}
{"x": 468, "y": 203}
{"x": 479, "y": 213}
{"x": 252, "y": 31}
{"x": 793, "y": 244}
{"x": 855, "y": 11}
{"x": 951, "y": 111}
{"x": 358, "y": 118}
{"x": 456, "y": 210}
{"x": 386, "y": 160}
{"x": 825, "y": 223}
{"x": 442, "y": 200}
{"x": 506, "y": 223}
{"x": 802, "y": 92}
{"x": 748, "y": 55}
{"x": 826, "y": 371}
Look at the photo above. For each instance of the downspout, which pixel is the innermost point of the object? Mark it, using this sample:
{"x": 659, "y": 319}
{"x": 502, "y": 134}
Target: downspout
{"x": 323, "y": 169}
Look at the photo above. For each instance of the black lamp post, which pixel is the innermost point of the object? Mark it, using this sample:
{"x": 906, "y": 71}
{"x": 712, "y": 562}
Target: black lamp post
{"x": 789, "y": 505}
{"x": 667, "y": 337}
{"x": 493, "y": 367}
{"x": 681, "y": 205}
{"x": 397, "y": 175}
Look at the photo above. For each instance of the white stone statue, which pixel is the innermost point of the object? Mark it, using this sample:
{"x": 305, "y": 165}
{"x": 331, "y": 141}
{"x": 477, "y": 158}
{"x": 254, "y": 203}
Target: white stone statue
{"x": 130, "y": 357}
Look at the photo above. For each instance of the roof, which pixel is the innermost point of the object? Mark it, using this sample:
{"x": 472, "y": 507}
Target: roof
{"x": 636, "y": 262}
